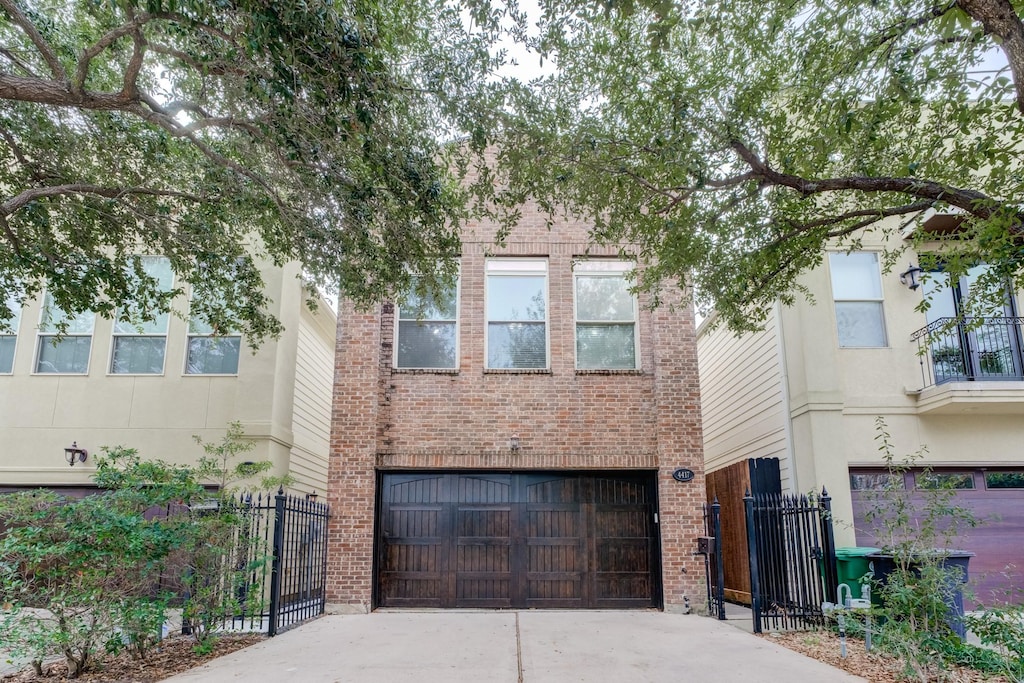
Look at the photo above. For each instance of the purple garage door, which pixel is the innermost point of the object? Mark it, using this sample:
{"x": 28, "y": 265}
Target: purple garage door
{"x": 996, "y": 498}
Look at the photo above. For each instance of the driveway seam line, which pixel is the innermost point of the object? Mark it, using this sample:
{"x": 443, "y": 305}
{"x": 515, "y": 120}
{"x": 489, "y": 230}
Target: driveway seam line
{"x": 519, "y": 650}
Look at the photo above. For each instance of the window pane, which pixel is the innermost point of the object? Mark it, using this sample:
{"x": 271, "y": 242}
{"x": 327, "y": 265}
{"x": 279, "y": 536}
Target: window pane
{"x": 439, "y": 307}
{"x": 213, "y": 355}
{"x": 860, "y": 323}
{"x": 67, "y": 355}
{"x": 15, "y": 306}
{"x": 7, "y": 344}
{"x": 603, "y": 298}
{"x": 855, "y": 276}
{"x": 516, "y": 345}
{"x": 516, "y": 297}
{"x": 138, "y": 355}
{"x": 875, "y": 481}
{"x": 426, "y": 345}
{"x": 944, "y": 480}
{"x": 80, "y": 323}
{"x": 605, "y": 347}
{"x": 1005, "y": 480}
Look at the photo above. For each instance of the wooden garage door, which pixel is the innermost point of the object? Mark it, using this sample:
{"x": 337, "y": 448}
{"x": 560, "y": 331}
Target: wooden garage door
{"x": 517, "y": 540}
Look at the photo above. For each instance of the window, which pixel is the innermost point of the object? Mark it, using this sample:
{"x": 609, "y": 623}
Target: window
{"x": 427, "y": 333}
{"x": 139, "y": 346}
{"x": 875, "y": 481}
{"x": 605, "y": 316}
{"x": 9, "y": 338}
{"x": 944, "y": 480}
{"x": 1005, "y": 480}
{"x": 857, "y": 291}
{"x": 64, "y": 340}
{"x": 209, "y": 353}
{"x": 517, "y": 329}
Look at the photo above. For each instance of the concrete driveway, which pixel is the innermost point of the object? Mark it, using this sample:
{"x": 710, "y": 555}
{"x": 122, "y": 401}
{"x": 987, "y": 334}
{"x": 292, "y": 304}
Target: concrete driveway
{"x": 515, "y": 647}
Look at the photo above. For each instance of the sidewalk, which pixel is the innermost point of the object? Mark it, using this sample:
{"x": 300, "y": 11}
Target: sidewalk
{"x": 515, "y": 647}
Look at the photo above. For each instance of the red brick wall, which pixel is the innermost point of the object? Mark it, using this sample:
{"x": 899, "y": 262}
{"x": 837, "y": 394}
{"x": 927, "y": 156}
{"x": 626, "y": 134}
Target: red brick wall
{"x": 646, "y": 419}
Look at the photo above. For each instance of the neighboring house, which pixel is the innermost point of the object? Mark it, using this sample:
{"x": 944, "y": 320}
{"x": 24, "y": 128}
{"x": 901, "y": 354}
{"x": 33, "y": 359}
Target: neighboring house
{"x": 512, "y": 443}
{"x": 154, "y": 387}
{"x": 808, "y": 390}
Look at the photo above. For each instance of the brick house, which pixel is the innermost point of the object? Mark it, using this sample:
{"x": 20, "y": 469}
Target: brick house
{"x": 514, "y": 445}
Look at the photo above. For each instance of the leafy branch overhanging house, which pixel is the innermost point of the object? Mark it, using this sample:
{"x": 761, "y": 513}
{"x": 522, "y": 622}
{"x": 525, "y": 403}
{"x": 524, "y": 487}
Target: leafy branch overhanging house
{"x": 805, "y": 394}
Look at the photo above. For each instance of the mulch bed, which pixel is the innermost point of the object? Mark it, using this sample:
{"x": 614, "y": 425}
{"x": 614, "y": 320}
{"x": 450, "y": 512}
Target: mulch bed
{"x": 873, "y": 666}
{"x": 174, "y": 656}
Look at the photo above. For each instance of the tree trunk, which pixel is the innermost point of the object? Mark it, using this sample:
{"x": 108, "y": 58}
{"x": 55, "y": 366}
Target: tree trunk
{"x": 999, "y": 19}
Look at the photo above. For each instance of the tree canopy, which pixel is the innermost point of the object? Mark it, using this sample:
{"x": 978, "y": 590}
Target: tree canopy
{"x": 732, "y": 139}
{"x": 223, "y": 136}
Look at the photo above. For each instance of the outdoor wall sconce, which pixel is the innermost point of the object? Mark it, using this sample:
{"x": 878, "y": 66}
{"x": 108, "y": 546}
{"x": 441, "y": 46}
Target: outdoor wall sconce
{"x": 75, "y": 454}
{"x": 312, "y": 496}
{"x": 513, "y": 443}
{"x": 909, "y": 277}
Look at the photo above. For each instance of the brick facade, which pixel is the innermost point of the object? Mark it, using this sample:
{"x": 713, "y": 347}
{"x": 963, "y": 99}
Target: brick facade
{"x": 648, "y": 419}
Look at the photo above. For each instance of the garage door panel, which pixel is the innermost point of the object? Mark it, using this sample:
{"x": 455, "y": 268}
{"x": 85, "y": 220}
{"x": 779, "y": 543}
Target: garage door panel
{"x": 517, "y": 540}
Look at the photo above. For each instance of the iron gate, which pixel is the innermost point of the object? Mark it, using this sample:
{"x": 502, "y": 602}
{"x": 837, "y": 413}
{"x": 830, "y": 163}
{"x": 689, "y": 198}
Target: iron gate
{"x": 792, "y": 558}
{"x": 710, "y": 546}
{"x": 294, "y": 530}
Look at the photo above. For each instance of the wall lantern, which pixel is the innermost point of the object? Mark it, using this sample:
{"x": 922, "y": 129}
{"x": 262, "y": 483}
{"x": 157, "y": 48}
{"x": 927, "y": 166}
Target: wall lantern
{"x": 910, "y": 277}
{"x": 312, "y": 496}
{"x": 75, "y": 454}
{"x": 513, "y": 443}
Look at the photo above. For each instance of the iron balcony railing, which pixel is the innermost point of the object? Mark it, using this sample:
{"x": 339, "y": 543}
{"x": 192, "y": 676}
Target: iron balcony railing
{"x": 971, "y": 350}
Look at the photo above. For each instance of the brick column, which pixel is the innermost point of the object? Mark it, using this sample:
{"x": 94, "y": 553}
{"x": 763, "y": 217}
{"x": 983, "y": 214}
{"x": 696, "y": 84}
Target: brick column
{"x": 351, "y": 479}
{"x": 680, "y": 444}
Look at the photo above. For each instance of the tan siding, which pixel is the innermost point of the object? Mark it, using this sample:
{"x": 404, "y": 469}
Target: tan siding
{"x": 742, "y": 398}
{"x": 311, "y": 416}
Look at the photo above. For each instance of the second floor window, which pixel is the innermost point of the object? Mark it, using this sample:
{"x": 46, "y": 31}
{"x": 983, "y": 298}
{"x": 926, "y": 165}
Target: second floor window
{"x": 427, "y": 330}
{"x": 139, "y": 346}
{"x": 517, "y": 325}
{"x": 65, "y": 340}
{"x": 605, "y": 316}
{"x": 857, "y": 291}
{"x": 210, "y": 353}
{"x": 9, "y": 338}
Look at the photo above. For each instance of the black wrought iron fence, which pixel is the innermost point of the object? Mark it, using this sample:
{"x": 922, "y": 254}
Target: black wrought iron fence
{"x": 710, "y": 546}
{"x": 290, "y": 588}
{"x": 792, "y": 559}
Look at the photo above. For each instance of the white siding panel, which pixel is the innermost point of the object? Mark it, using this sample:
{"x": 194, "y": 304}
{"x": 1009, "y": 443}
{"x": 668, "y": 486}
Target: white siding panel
{"x": 742, "y": 398}
{"x": 311, "y": 413}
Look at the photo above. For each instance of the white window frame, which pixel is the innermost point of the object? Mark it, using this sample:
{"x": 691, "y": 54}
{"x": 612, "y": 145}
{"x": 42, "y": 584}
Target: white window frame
{"x": 18, "y": 309}
{"x": 518, "y": 266}
{"x": 607, "y": 268}
{"x": 880, "y": 299}
{"x": 43, "y": 337}
{"x": 455, "y": 320}
{"x": 190, "y": 335}
{"x": 115, "y": 335}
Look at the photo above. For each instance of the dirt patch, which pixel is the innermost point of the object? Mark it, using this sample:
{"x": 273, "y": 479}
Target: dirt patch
{"x": 873, "y": 666}
{"x": 174, "y": 656}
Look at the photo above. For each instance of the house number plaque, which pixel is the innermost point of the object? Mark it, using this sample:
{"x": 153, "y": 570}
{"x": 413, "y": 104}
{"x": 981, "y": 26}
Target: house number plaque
{"x": 683, "y": 474}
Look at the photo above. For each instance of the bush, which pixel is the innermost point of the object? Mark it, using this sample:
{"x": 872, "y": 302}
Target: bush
{"x": 83, "y": 576}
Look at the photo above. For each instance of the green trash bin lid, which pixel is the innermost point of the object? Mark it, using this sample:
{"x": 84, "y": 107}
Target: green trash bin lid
{"x": 848, "y": 553}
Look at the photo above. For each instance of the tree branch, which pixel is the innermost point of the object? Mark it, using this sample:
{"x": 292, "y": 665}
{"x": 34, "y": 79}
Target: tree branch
{"x": 31, "y": 195}
{"x": 89, "y": 53}
{"x": 47, "y": 52}
{"x": 870, "y": 216}
{"x": 13, "y": 59}
{"x": 999, "y": 18}
{"x": 971, "y": 201}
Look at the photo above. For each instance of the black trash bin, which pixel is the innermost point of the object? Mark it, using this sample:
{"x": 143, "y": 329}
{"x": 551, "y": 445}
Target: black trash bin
{"x": 883, "y": 564}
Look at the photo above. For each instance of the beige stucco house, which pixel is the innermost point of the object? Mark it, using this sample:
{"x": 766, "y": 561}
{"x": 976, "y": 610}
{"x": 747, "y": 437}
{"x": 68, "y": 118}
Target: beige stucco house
{"x": 154, "y": 387}
{"x": 808, "y": 389}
